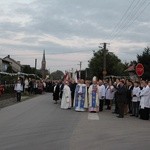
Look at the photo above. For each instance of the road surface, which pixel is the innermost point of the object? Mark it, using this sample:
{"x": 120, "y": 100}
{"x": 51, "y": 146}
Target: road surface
{"x": 38, "y": 124}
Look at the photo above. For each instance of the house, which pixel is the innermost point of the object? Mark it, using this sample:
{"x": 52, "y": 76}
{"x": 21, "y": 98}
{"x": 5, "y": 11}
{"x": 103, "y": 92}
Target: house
{"x": 4, "y": 64}
{"x": 16, "y": 66}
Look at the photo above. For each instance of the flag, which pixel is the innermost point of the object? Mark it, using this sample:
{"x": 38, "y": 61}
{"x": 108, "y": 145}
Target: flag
{"x": 130, "y": 68}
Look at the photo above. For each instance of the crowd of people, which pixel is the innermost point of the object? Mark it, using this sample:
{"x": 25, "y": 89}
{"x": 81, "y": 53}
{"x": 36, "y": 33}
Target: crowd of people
{"x": 31, "y": 86}
{"x": 127, "y": 96}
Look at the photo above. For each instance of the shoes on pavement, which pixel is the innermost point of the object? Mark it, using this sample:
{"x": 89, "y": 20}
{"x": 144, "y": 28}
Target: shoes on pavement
{"x": 132, "y": 115}
{"x": 119, "y": 116}
{"x": 114, "y": 112}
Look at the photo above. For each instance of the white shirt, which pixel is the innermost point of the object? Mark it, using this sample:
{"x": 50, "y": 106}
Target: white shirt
{"x": 102, "y": 91}
{"x": 135, "y": 94}
{"x": 18, "y": 87}
{"x": 110, "y": 92}
{"x": 145, "y": 92}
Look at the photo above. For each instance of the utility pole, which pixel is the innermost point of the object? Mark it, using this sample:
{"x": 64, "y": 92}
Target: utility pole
{"x": 35, "y": 66}
{"x": 80, "y": 64}
{"x": 35, "y": 63}
{"x": 104, "y": 59}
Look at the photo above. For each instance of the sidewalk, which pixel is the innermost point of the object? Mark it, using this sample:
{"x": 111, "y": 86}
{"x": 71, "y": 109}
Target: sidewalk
{"x": 10, "y": 101}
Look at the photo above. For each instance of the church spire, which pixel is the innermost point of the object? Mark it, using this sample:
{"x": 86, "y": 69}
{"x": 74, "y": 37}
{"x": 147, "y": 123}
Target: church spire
{"x": 43, "y": 56}
{"x": 43, "y": 65}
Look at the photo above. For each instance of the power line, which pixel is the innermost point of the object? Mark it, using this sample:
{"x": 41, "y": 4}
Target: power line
{"x": 122, "y": 18}
{"x": 134, "y": 10}
{"x": 140, "y": 5}
{"x": 138, "y": 14}
{"x": 50, "y": 53}
{"x": 127, "y": 18}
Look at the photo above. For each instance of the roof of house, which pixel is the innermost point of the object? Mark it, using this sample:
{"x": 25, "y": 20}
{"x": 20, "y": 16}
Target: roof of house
{"x": 12, "y": 60}
{"x": 6, "y": 61}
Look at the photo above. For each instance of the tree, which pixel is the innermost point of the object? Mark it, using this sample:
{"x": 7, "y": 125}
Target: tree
{"x": 57, "y": 75}
{"x": 144, "y": 58}
{"x": 114, "y": 66}
{"x": 9, "y": 69}
{"x": 28, "y": 69}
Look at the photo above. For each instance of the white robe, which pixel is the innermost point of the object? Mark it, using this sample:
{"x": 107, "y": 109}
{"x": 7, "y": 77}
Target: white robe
{"x": 102, "y": 91}
{"x": 66, "y": 98}
{"x": 144, "y": 102}
{"x": 136, "y": 94}
{"x": 80, "y": 97}
{"x": 94, "y": 99}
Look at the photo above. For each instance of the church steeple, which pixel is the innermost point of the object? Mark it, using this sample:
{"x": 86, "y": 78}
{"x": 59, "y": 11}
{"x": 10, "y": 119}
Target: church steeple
{"x": 44, "y": 56}
{"x": 43, "y": 65}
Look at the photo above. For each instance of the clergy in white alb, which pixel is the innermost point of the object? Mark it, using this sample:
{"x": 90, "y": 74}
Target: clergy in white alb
{"x": 80, "y": 99}
{"x": 93, "y": 96}
{"x": 66, "y": 97}
{"x": 144, "y": 101}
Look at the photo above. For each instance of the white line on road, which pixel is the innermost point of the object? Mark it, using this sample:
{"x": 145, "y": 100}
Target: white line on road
{"x": 93, "y": 116}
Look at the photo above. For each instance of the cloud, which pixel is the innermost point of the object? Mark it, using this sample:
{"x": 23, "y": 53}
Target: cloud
{"x": 68, "y": 30}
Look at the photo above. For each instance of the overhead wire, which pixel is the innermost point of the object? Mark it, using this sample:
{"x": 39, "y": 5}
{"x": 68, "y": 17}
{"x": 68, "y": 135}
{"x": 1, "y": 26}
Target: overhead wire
{"x": 138, "y": 10}
{"x": 121, "y": 20}
{"x": 134, "y": 7}
{"x": 135, "y": 17}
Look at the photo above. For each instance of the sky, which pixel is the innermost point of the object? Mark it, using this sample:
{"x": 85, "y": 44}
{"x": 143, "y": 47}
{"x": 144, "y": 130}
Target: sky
{"x": 69, "y": 30}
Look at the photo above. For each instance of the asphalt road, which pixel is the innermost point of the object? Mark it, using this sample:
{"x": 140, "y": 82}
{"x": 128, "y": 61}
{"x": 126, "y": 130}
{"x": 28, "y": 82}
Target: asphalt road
{"x": 38, "y": 124}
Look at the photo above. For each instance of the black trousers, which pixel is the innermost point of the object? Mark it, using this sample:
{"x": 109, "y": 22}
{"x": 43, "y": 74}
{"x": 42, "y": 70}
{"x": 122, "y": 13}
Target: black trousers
{"x": 116, "y": 107}
{"x": 144, "y": 113}
{"x": 108, "y": 104}
{"x": 121, "y": 109}
{"x": 135, "y": 108}
{"x": 101, "y": 104}
{"x": 130, "y": 106}
{"x": 18, "y": 96}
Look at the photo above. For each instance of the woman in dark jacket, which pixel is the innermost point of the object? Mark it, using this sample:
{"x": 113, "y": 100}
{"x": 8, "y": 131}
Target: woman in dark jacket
{"x": 56, "y": 91}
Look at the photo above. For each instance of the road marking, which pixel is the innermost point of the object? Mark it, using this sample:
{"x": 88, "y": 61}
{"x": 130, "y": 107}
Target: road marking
{"x": 93, "y": 116}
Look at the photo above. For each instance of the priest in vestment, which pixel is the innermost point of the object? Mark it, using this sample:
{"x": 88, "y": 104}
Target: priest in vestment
{"x": 66, "y": 97}
{"x": 80, "y": 99}
{"x": 94, "y": 96}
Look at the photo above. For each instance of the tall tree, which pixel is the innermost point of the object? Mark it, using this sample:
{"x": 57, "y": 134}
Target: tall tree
{"x": 144, "y": 58}
{"x": 114, "y": 66}
{"x": 57, "y": 75}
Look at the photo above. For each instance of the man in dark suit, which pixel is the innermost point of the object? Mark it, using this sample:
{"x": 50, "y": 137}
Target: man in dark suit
{"x": 129, "y": 95}
{"x": 61, "y": 86}
{"x": 72, "y": 88}
{"x": 122, "y": 97}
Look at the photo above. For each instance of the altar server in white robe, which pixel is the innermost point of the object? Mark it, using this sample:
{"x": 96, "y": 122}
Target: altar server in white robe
{"x": 110, "y": 91}
{"x": 144, "y": 101}
{"x": 80, "y": 99}
{"x": 135, "y": 99}
{"x": 66, "y": 97}
{"x": 94, "y": 96}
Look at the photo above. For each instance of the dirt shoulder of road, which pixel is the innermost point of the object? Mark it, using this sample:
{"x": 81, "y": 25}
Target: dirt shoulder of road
{"x": 7, "y": 100}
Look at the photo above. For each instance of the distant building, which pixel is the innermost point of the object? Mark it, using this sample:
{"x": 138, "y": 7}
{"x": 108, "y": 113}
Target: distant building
{"x": 43, "y": 66}
{"x": 16, "y": 66}
{"x": 4, "y": 64}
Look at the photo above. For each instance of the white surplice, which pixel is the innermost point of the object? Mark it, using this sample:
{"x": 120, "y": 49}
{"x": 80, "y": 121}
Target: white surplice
{"x": 66, "y": 98}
